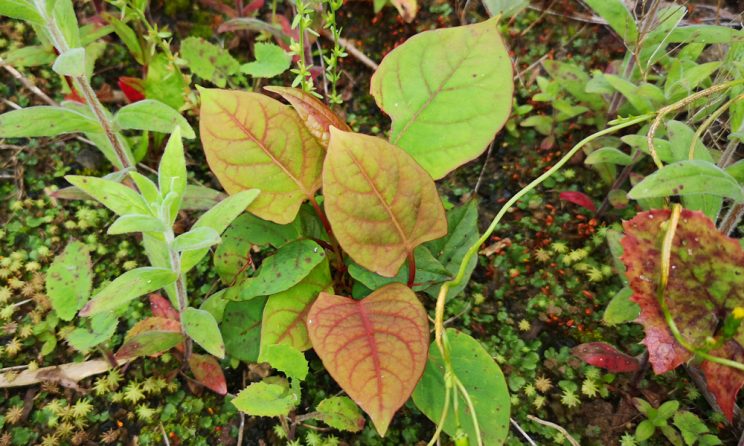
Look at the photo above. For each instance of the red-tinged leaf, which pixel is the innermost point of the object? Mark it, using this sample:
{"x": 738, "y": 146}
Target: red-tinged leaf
{"x": 285, "y": 313}
{"x": 74, "y": 97}
{"x": 374, "y": 348}
{"x": 253, "y": 141}
{"x": 132, "y": 87}
{"x": 252, "y": 7}
{"x": 606, "y": 356}
{"x": 380, "y": 202}
{"x": 150, "y": 336}
{"x": 725, "y": 382}
{"x": 706, "y": 283}
{"x": 208, "y": 372}
{"x": 318, "y": 118}
{"x": 161, "y": 307}
{"x": 578, "y": 198}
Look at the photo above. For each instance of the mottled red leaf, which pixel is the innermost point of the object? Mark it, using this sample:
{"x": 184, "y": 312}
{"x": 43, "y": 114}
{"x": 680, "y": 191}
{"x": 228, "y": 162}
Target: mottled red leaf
{"x": 380, "y": 202}
{"x": 606, "y": 356}
{"x": 374, "y": 348}
{"x": 161, "y": 307}
{"x": 578, "y": 198}
{"x": 318, "y": 118}
{"x": 254, "y": 141}
{"x": 208, "y": 372}
{"x": 706, "y": 283}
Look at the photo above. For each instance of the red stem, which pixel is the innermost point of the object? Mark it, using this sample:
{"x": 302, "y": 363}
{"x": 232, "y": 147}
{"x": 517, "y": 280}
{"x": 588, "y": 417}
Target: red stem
{"x": 411, "y": 269}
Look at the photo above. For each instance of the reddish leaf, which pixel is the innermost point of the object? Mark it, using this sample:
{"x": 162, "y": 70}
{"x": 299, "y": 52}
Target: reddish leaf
{"x": 725, "y": 382}
{"x": 161, "y": 307}
{"x": 374, "y": 348}
{"x": 318, "y": 118}
{"x": 706, "y": 283}
{"x": 208, "y": 372}
{"x": 252, "y": 7}
{"x": 578, "y": 198}
{"x": 606, "y": 356}
{"x": 150, "y": 336}
{"x": 380, "y": 202}
{"x": 253, "y": 141}
{"x": 132, "y": 87}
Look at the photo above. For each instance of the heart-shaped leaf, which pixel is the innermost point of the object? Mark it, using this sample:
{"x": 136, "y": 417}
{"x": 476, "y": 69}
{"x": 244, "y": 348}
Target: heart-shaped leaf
{"x": 208, "y": 372}
{"x": 448, "y": 92}
{"x": 341, "y": 413}
{"x": 380, "y": 203}
{"x": 285, "y": 313}
{"x": 374, "y": 348}
{"x": 69, "y": 280}
{"x": 706, "y": 284}
{"x": 253, "y": 141}
{"x": 268, "y": 398}
{"x": 318, "y": 118}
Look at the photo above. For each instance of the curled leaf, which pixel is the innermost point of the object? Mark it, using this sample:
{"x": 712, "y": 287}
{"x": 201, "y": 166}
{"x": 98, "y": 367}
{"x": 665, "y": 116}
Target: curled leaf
{"x": 606, "y": 356}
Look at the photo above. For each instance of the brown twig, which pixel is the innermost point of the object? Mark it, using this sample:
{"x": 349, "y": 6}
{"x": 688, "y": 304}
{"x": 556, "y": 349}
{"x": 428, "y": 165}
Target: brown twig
{"x": 556, "y": 427}
{"x": 352, "y": 49}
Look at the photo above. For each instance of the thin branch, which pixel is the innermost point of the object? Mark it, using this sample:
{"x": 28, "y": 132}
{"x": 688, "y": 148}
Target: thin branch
{"x": 352, "y": 49}
{"x": 27, "y": 83}
{"x": 556, "y": 427}
{"x": 521, "y": 431}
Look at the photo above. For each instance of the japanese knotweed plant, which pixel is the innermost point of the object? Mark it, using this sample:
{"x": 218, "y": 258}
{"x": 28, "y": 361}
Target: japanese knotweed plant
{"x": 347, "y": 265}
{"x": 152, "y": 212}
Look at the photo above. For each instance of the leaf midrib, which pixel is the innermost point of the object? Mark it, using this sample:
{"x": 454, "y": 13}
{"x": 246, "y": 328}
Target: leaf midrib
{"x": 260, "y": 144}
{"x": 434, "y": 94}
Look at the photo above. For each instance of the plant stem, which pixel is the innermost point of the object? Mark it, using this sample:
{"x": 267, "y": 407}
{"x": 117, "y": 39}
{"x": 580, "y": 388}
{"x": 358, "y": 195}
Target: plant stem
{"x": 411, "y": 269}
{"x": 181, "y": 293}
{"x": 732, "y": 219}
{"x": 707, "y": 123}
{"x": 82, "y": 84}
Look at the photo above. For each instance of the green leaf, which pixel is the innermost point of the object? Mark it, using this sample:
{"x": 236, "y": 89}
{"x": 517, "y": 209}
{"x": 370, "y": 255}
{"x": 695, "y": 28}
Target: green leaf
{"x": 200, "y": 198}
{"x": 172, "y": 172}
{"x": 218, "y": 218}
{"x": 150, "y": 336}
{"x": 208, "y": 61}
{"x": 197, "y": 238}
{"x": 680, "y": 139}
{"x": 608, "y": 155}
{"x": 644, "y": 430}
{"x": 264, "y": 399}
{"x": 462, "y": 233}
{"x": 201, "y": 326}
{"x": 70, "y": 63}
{"x": 736, "y": 170}
{"x": 429, "y": 272}
{"x": 215, "y": 305}
{"x": 688, "y": 177}
{"x": 668, "y": 409}
{"x": 102, "y": 328}
{"x": 152, "y": 115}
{"x": 271, "y": 61}
{"x": 44, "y": 121}
{"x": 135, "y": 223}
{"x": 130, "y": 285}
{"x": 505, "y": 8}
{"x": 621, "y": 309}
{"x": 662, "y": 146}
{"x": 66, "y": 21}
{"x": 617, "y": 16}
{"x": 286, "y": 359}
{"x": 281, "y": 271}
{"x": 691, "y": 427}
{"x": 241, "y": 328}
{"x": 69, "y": 280}
{"x": 285, "y": 315}
{"x": 147, "y": 188}
{"x": 482, "y": 378}
{"x": 165, "y": 82}
{"x": 341, "y": 413}
{"x": 448, "y": 92}
{"x": 21, "y": 10}
{"x": 127, "y": 36}
{"x": 115, "y": 196}
{"x": 29, "y": 56}
{"x": 231, "y": 256}
{"x": 707, "y": 34}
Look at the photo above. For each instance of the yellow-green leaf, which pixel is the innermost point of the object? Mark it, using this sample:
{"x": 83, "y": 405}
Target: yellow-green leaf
{"x": 380, "y": 203}
{"x": 253, "y": 141}
{"x": 448, "y": 92}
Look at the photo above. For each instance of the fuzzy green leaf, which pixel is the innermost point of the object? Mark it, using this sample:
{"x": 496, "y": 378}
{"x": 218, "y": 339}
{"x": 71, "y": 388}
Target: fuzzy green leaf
{"x": 201, "y": 326}
{"x": 130, "y": 285}
{"x": 69, "y": 280}
{"x": 152, "y": 115}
